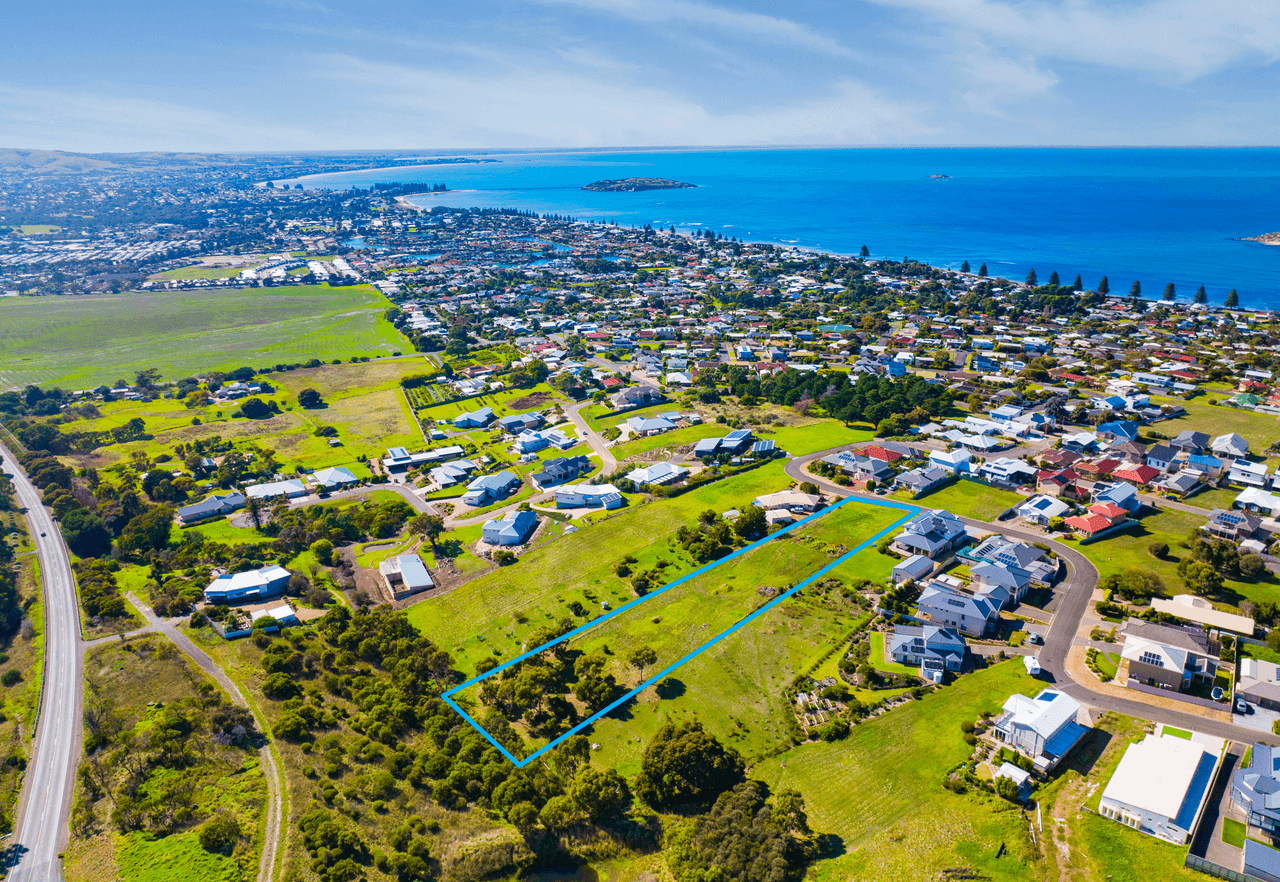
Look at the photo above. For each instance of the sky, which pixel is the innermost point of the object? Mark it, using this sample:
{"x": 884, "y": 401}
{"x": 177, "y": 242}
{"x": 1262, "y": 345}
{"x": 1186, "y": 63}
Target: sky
{"x": 293, "y": 75}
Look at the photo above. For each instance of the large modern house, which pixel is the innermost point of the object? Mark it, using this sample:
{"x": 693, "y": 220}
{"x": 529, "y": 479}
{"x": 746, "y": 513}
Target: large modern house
{"x": 588, "y": 496}
{"x": 212, "y": 507}
{"x": 935, "y": 534}
{"x": 251, "y": 586}
{"x": 1169, "y": 657}
{"x": 1043, "y": 728}
{"x": 487, "y": 488}
{"x": 514, "y": 529}
{"x": 1255, "y": 789}
{"x": 934, "y": 649}
{"x": 944, "y": 608}
{"x": 1159, "y": 786}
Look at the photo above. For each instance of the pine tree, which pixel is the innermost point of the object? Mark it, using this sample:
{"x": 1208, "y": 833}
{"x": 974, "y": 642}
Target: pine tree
{"x": 1201, "y": 296}
{"x": 964, "y": 267}
{"x": 1169, "y": 292}
{"x": 1104, "y": 287}
{"x": 1053, "y": 278}
{"x": 1078, "y": 284}
{"x": 865, "y": 252}
{"x": 1031, "y": 278}
{"x": 1136, "y": 291}
{"x": 1233, "y": 299}
{"x": 982, "y": 271}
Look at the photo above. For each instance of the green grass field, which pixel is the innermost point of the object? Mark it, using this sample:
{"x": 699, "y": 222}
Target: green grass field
{"x": 971, "y": 499}
{"x": 1128, "y": 550}
{"x": 504, "y": 403}
{"x": 492, "y": 615}
{"x": 204, "y": 272}
{"x": 80, "y": 342}
{"x": 880, "y": 790}
{"x": 1260, "y": 430}
{"x": 1233, "y": 832}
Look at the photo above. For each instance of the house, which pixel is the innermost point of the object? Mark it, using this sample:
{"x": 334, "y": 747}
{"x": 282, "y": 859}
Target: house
{"x": 1136, "y": 474}
{"x": 520, "y": 422}
{"x": 588, "y": 496}
{"x": 1229, "y": 446}
{"x": 213, "y": 506}
{"x": 405, "y": 574}
{"x": 943, "y": 607}
{"x": 1234, "y": 526}
{"x": 1119, "y": 430}
{"x": 791, "y": 500}
{"x": 1259, "y": 683}
{"x": 1042, "y": 509}
{"x": 1261, "y": 861}
{"x": 1133, "y": 450}
{"x": 1258, "y": 501}
{"x": 1202, "y": 463}
{"x": 1160, "y": 457}
{"x": 644, "y": 426}
{"x": 1169, "y": 657}
{"x": 735, "y": 442}
{"x": 1191, "y": 442}
{"x": 451, "y": 473}
{"x": 1255, "y": 789}
{"x": 876, "y": 451}
{"x": 859, "y": 467}
{"x": 335, "y": 478}
{"x": 1190, "y": 608}
{"x": 915, "y": 567}
{"x": 1098, "y": 468}
{"x": 1007, "y": 471}
{"x": 487, "y": 488}
{"x": 637, "y": 396}
{"x": 291, "y": 489}
{"x": 514, "y": 529}
{"x": 934, "y": 649}
{"x": 935, "y": 534}
{"x": 247, "y": 587}
{"x": 1118, "y": 493}
{"x": 1081, "y": 442}
{"x": 476, "y": 419}
{"x": 560, "y": 469}
{"x": 399, "y": 459}
{"x": 530, "y": 441}
{"x": 1159, "y": 786}
{"x": 951, "y": 461}
{"x": 1061, "y": 482}
{"x": 658, "y": 473}
{"x": 1248, "y": 474}
{"x": 921, "y": 480}
{"x": 1179, "y": 485}
{"x": 1043, "y": 728}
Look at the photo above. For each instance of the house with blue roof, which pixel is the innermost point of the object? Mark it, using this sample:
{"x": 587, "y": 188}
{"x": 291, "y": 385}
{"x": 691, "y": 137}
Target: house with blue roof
{"x": 1160, "y": 785}
{"x": 945, "y": 608}
{"x": 476, "y": 419}
{"x": 487, "y": 488}
{"x": 251, "y": 586}
{"x": 934, "y": 649}
{"x": 514, "y": 529}
{"x": 1119, "y": 430}
{"x": 935, "y": 534}
{"x": 642, "y": 426}
{"x": 1119, "y": 493}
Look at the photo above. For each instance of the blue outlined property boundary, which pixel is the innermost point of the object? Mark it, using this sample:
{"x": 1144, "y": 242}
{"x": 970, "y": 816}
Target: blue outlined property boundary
{"x": 910, "y": 512}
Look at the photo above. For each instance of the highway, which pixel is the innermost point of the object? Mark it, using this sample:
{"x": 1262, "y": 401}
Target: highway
{"x": 40, "y": 830}
{"x": 1074, "y": 592}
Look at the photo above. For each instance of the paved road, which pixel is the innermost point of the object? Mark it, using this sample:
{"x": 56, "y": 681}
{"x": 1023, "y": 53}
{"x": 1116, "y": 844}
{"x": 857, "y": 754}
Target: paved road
{"x": 1074, "y": 594}
{"x": 594, "y": 441}
{"x": 40, "y": 832}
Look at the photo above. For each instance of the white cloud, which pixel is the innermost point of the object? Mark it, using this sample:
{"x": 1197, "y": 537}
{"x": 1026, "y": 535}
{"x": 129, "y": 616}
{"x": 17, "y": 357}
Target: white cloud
{"x": 55, "y": 119}
{"x": 535, "y": 107}
{"x": 765, "y": 28}
{"x": 1176, "y": 40}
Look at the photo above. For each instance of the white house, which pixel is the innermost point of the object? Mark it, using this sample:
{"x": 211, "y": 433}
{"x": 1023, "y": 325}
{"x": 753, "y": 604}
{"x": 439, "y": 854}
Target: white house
{"x": 1159, "y": 786}
{"x": 1044, "y": 728}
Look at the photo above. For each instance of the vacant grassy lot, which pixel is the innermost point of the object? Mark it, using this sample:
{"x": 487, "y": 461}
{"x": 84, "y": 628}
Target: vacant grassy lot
{"x": 504, "y": 403}
{"x": 971, "y": 500}
{"x": 492, "y": 615}
{"x": 80, "y": 342}
{"x": 1260, "y": 430}
{"x": 1128, "y": 550}
{"x": 880, "y": 790}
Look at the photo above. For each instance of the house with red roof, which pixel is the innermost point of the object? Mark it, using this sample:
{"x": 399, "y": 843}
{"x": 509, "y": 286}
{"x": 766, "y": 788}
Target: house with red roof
{"x": 1061, "y": 482}
{"x": 1099, "y": 469}
{"x": 1099, "y": 517}
{"x": 875, "y": 451}
{"x": 1136, "y": 474}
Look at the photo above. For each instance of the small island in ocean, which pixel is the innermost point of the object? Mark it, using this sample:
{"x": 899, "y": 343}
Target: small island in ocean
{"x": 940, "y": 177}
{"x": 635, "y": 185}
{"x": 1265, "y": 239}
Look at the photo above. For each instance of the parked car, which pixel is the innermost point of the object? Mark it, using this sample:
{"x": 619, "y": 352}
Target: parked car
{"x": 1034, "y": 639}
{"x": 1242, "y": 707}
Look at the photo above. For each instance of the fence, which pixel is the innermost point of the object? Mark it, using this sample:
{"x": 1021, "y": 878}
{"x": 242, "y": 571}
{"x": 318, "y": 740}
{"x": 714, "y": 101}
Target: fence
{"x": 1194, "y": 862}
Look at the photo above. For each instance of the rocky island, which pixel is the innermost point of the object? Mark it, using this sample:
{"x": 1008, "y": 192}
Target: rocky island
{"x": 635, "y": 185}
{"x": 1265, "y": 239}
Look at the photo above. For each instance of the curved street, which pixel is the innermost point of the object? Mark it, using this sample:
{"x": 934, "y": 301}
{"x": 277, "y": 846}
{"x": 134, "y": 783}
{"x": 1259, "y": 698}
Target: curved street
{"x": 40, "y": 828}
{"x": 1074, "y": 593}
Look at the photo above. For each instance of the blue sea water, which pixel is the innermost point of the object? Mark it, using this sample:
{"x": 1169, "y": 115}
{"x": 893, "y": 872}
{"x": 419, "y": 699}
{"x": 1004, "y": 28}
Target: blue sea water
{"x": 1155, "y": 215}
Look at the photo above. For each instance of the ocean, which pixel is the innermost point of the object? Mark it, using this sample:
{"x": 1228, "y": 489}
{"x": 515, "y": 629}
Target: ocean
{"x": 1153, "y": 215}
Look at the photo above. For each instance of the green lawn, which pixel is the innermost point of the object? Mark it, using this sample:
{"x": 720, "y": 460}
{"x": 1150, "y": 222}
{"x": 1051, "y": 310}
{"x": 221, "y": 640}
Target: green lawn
{"x": 817, "y": 435}
{"x": 1233, "y": 832}
{"x": 673, "y": 439}
{"x": 1176, "y": 733}
{"x": 504, "y": 403}
{"x": 971, "y": 499}
{"x": 495, "y": 613}
{"x": 1108, "y": 663}
{"x": 880, "y": 664}
{"x": 1128, "y": 550}
{"x": 79, "y": 342}
{"x": 1260, "y": 430}
{"x": 206, "y": 272}
{"x": 880, "y": 790}
{"x": 1214, "y": 498}
{"x": 1262, "y": 652}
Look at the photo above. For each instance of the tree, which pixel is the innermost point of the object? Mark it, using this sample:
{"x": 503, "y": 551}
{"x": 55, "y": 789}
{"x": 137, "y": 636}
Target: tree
{"x": 600, "y": 794}
{"x": 431, "y": 526}
{"x": 982, "y": 271}
{"x": 220, "y": 833}
{"x": 1201, "y": 578}
{"x": 524, "y": 815}
{"x": 323, "y": 550}
{"x": 745, "y": 839}
{"x": 809, "y": 487}
{"x": 1032, "y": 280}
{"x": 309, "y": 398}
{"x": 148, "y": 531}
{"x": 86, "y": 533}
{"x": 1233, "y": 299}
{"x": 146, "y": 379}
{"x": 1251, "y": 567}
{"x": 1078, "y": 284}
{"x": 1136, "y": 290}
{"x": 1158, "y": 550}
{"x": 560, "y": 813}
{"x": 751, "y": 523}
{"x": 1201, "y": 296}
{"x": 253, "y": 505}
{"x": 864, "y": 252}
{"x": 685, "y": 766}
{"x": 964, "y": 267}
{"x": 1169, "y": 292}
{"x": 1053, "y": 278}
{"x": 642, "y": 657}
{"x": 255, "y": 409}
{"x": 1104, "y": 287}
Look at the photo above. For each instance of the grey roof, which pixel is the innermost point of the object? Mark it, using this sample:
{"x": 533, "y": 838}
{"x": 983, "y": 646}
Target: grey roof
{"x": 1259, "y": 782}
{"x": 414, "y": 572}
{"x": 1168, "y": 635}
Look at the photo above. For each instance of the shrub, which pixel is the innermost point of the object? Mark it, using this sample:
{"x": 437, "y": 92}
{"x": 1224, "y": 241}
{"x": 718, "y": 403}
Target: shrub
{"x": 220, "y": 833}
{"x": 1158, "y": 550}
{"x": 10, "y": 677}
